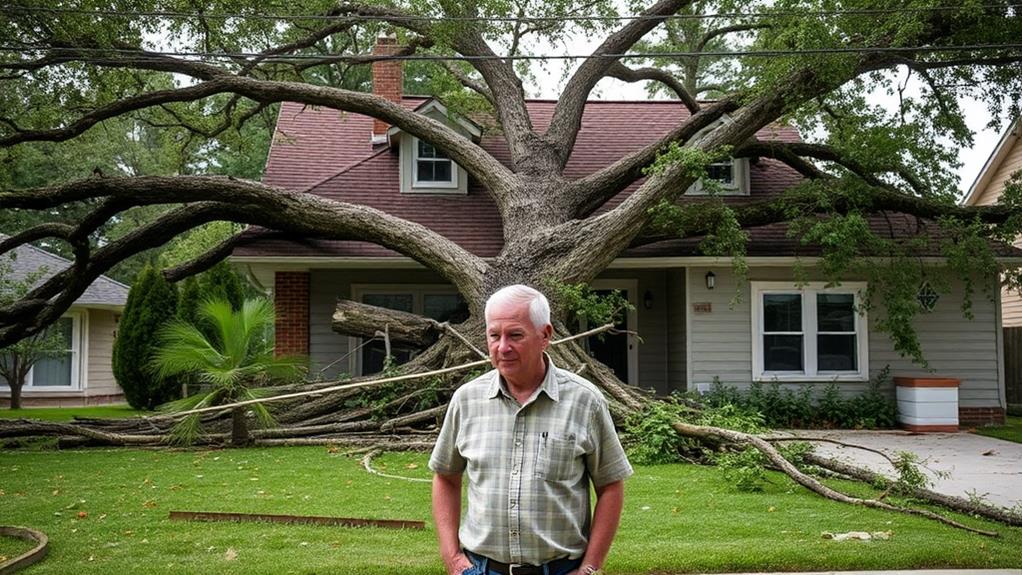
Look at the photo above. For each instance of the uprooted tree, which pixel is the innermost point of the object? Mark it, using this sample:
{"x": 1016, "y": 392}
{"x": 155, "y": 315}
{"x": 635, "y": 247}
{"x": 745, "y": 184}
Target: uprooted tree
{"x": 812, "y": 64}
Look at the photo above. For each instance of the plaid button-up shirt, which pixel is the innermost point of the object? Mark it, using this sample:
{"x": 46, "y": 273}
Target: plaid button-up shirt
{"x": 529, "y": 465}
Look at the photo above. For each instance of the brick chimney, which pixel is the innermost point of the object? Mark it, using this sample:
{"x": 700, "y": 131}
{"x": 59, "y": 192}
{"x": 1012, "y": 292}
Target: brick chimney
{"x": 387, "y": 76}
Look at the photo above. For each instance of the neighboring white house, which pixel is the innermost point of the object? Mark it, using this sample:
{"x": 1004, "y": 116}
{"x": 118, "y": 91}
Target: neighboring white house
{"x": 83, "y": 375}
{"x": 1005, "y": 160}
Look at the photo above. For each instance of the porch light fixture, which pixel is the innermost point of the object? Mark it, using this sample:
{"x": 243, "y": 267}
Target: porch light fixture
{"x": 647, "y": 299}
{"x": 711, "y": 280}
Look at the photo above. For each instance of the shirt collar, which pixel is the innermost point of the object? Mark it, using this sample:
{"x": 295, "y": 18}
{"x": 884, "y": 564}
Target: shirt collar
{"x": 548, "y": 385}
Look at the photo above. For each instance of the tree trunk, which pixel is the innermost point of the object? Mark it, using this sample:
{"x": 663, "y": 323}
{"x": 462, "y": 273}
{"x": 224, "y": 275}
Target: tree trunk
{"x": 239, "y": 428}
{"x": 16, "y": 393}
{"x": 362, "y": 320}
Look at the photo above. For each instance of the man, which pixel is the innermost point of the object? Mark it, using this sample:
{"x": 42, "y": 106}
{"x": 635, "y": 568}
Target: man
{"x": 530, "y": 438}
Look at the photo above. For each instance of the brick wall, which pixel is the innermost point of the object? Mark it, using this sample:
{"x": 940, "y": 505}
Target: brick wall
{"x": 291, "y": 303}
{"x": 980, "y": 416}
{"x": 387, "y": 77}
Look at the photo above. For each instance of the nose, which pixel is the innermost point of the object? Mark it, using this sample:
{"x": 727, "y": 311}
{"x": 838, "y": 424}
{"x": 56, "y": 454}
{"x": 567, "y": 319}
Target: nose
{"x": 504, "y": 345}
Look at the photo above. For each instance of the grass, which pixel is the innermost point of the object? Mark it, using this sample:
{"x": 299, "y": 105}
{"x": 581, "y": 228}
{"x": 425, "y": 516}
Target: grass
{"x": 69, "y": 413}
{"x": 106, "y": 512}
{"x": 1011, "y": 430}
{"x": 11, "y": 547}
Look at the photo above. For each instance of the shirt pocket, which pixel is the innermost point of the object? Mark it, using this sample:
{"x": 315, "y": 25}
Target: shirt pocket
{"x": 555, "y": 459}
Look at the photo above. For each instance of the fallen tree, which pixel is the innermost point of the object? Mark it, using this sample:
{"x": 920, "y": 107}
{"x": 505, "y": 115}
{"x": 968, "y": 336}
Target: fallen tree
{"x": 557, "y": 230}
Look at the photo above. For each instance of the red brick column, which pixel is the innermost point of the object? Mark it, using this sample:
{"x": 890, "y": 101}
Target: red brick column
{"x": 980, "y": 416}
{"x": 291, "y": 303}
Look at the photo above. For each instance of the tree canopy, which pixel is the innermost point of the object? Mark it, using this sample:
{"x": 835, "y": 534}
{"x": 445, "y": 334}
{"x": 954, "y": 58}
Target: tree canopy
{"x": 204, "y": 76}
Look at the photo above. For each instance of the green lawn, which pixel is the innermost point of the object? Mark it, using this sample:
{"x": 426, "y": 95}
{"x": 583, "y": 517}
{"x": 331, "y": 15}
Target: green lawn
{"x": 11, "y": 547}
{"x": 106, "y": 512}
{"x": 69, "y": 413}
{"x": 1011, "y": 430}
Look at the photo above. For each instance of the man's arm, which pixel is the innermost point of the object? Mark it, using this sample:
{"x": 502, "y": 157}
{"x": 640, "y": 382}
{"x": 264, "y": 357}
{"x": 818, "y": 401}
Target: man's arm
{"x": 609, "y": 500}
{"x": 447, "y": 516}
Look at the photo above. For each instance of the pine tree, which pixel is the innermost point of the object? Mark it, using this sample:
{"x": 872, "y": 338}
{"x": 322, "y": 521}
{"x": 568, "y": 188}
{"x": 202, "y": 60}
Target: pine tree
{"x": 152, "y": 302}
{"x": 221, "y": 282}
{"x": 189, "y": 299}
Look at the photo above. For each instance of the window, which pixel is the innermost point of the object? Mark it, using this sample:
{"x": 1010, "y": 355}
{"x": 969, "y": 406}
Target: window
{"x": 441, "y": 303}
{"x": 61, "y": 370}
{"x": 732, "y": 174}
{"x": 432, "y": 168}
{"x": 809, "y": 333}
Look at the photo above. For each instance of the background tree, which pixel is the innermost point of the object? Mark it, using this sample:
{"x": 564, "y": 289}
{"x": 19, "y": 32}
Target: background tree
{"x": 17, "y": 359}
{"x": 232, "y": 356}
{"x": 152, "y": 302}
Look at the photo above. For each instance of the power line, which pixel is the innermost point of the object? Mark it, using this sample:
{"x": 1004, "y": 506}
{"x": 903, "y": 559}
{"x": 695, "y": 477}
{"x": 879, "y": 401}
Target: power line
{"x": 438, "y": 57}
{"x": 504, "y": 19}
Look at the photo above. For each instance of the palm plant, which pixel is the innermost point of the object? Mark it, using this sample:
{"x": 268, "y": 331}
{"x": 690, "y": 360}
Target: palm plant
{"x": 228, "y": 352}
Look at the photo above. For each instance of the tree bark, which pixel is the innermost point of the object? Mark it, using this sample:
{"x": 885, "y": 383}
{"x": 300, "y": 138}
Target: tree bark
{"x": 363, "y": 320}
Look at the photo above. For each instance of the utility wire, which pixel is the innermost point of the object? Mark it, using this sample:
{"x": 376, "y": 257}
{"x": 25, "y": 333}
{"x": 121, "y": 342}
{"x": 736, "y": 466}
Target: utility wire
{"x": 14, "y": 9}
{"x": 71, "y": 52}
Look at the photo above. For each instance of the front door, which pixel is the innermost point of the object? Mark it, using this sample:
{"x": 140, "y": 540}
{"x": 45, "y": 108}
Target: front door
{"x": 617, "y": 351}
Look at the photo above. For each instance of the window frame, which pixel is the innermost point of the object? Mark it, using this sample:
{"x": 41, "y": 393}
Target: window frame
{"x": 77, "y": 358}
{"x": 418, "y": 293}
{"x": 417, "y": 183}
{"x": 739, "y": 185}
{"x": 810, "y": 331}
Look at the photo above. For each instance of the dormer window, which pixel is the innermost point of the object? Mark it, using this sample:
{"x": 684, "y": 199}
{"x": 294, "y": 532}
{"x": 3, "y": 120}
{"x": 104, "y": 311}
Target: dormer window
{"x": 433, "y": 169}
{"x": 722, "y": 172}
{"x": 731, "y": 174}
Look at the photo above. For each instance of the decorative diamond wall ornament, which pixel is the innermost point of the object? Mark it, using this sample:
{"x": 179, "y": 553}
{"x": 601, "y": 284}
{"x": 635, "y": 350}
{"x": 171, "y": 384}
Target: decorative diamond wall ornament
{"x": 927, "y": 296}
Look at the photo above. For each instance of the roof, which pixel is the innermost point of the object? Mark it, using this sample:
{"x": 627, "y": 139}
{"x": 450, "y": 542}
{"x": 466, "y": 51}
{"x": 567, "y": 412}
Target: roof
{"x": 993, "y": 163}
{"x": 29, "y": 259}
{"x": 331, "y": 154}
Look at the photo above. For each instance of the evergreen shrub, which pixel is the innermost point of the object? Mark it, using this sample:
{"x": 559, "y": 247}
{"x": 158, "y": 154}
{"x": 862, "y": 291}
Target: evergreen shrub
{"x": 152, "y": 302}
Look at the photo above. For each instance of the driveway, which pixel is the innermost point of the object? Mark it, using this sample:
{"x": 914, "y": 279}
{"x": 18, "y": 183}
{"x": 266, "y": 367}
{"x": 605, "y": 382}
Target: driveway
{"x": 991, "y": 468}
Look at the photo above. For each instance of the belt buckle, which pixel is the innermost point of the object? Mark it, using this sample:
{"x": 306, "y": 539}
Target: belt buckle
{"x": 512, "y": 566}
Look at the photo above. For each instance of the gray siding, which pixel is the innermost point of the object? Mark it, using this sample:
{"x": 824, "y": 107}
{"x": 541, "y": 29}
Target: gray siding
{"x": 953, "y": 345}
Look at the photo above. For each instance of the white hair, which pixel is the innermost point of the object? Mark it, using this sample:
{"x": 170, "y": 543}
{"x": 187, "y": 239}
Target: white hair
{"x": 539, "y": 307}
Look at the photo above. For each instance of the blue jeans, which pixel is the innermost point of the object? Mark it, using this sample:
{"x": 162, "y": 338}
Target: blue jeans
{"x": 479, "y": 566}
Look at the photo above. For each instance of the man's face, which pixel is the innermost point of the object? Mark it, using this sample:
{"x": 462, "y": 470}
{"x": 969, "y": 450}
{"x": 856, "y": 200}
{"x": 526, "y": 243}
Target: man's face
{"x": 516, "y": 346}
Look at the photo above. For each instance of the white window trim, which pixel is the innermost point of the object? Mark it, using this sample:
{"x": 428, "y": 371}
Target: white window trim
{"x": 452, "y": 184}
{"x": 809, "y": 331}
{"x": 739, "y": 179}
{"x": 77, "y": 361}
{"x": 418, "y": 293}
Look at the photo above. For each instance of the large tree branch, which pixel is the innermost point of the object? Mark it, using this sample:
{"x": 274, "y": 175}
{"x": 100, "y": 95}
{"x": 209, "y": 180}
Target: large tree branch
{"x": 591, "y": 192}
{"x": 255, "y": 203}
{"x": 115, "y": 109}
{"x": 788, "y": 151}
{"x": 626, "y": 74}
{"x": 567, "y": 116}
{"x": 467, "y": 81}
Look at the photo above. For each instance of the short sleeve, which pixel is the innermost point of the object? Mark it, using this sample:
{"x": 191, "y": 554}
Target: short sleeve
{"x": 446, "y": 459}
{"x": 607, "y": 461}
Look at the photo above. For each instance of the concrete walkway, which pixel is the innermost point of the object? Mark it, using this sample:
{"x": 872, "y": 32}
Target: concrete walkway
{"x": 984, "y": 466}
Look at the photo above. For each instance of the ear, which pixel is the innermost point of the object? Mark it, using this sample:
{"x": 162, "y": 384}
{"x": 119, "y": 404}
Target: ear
{"x": 547, "y": 332}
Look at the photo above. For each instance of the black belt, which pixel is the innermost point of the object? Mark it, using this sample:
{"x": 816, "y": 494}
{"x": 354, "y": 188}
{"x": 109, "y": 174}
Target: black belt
{"x": 518, "y": 569}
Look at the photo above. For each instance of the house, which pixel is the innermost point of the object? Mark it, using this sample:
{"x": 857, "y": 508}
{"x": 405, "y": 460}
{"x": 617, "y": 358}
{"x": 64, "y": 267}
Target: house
{"x": 1005, "y": 160}
{"x": 83, "y": 375}
{"x": 691, "y": 333}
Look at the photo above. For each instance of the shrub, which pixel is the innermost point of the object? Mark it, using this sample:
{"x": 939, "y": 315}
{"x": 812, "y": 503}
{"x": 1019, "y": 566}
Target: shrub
{"x": 786, "y": 408}
{"x": 221, "y": 282}
{"x": 152, "y": 302}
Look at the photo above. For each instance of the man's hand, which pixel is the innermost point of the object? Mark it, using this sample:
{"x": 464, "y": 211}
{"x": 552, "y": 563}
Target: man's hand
{"x": 458, "y": 564}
